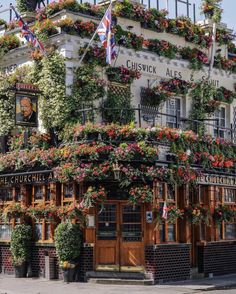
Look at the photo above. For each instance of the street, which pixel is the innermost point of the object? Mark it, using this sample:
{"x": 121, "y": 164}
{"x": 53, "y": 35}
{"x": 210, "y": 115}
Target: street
{"x": 11, "y": 285}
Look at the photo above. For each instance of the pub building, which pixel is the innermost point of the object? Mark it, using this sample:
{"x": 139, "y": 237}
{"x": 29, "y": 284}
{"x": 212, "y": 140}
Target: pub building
{"x": 169, "y": 209}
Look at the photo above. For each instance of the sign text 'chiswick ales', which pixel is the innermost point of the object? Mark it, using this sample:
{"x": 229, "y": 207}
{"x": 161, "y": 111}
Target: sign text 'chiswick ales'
{"x": 26, "y": 178}
{"x": 218, "y": 180}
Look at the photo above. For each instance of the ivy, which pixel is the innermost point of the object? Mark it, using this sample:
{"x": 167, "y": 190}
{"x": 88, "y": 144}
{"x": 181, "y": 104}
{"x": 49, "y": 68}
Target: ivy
{"x": 53, "y": 101}
{"x": 24, "y": 6}
{"x": 124, "y": 113}
{"x": 203, "y": 104}
{"x": 87, "y": 88}
{"x": 7, "y": 98}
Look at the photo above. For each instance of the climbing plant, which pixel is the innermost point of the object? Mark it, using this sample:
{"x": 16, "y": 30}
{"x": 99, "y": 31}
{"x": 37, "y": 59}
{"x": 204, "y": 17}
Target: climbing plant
{"x": 203, "y": 104}
{"x": 53, "y": 100}
{"x": 7, "y": 97}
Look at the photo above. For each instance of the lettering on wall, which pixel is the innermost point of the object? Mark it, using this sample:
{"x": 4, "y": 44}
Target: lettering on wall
{"x": 170, "y": 73}
{"x": 26, "y": 178}
{"x": 217, "y": 180}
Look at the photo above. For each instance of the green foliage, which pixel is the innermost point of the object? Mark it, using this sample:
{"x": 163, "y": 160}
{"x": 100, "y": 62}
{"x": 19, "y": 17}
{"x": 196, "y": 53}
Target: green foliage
{"x": 124, "y": 113}
{"x": 20, "y": 243}
{"x": 7, "y": 98}
{"x": 68, "y": 239}
{"x": 23, "y": 6}
{"x": 54, "y": 102}
{"x": 87, "y": 88}
{"x": 203, "y": 103}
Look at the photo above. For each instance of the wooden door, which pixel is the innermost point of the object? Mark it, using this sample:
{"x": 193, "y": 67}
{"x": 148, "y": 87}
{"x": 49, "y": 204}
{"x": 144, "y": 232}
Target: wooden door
{"x": 119, "y": 237}
{"x": 107, "y": 237}
{"x": 131, "y": 238}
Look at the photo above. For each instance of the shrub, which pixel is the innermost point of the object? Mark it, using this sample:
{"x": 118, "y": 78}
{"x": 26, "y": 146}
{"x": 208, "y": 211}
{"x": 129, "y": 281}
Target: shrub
{"x": 20, "y": 244}
{"x": 68, "y": 240}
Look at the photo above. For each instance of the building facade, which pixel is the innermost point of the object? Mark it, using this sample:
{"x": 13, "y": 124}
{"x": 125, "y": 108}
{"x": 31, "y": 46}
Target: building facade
{"x": 169, "y": 210}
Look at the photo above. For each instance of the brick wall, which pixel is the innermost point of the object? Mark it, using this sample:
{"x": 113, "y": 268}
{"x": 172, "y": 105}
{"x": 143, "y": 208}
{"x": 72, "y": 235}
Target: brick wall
{"x": 6, "y": 260}
{"x": 38, "y": 261}
{"x": 37, "y": 264}
{"x": 218, "y": 258}
{"x": 168, "y": 262}
{"x": 86, "y": 262}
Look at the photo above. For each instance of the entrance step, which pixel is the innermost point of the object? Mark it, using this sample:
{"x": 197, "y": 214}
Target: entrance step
{"x": 116, "y": 275}
{"x": 119, "y": 278}
{"x": 195, "y": 275}
{"x": 121, "y": 282}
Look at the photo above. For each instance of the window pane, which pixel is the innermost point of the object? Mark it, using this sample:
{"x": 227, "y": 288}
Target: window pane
{"x": 68, "y": 191}
{"x": 171, "y": 233}
{"x": 18, "y": 195}
{"x": 229, "y": 195}
{"x": 5, "y": 232}
{"x": 230, "y": 231}
{"x": 172, "y": 108}
{"x": 170, "y": 193}
{"x": 47, "y": 231}
{"x": 38, "y": 232}
{"x": 160, "y": 191}
{"x": 38, "y": 193}
{"x": 162, "y": 232}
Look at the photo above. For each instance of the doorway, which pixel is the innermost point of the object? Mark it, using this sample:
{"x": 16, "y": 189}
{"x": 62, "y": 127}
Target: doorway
{"x": 119, "y": 237}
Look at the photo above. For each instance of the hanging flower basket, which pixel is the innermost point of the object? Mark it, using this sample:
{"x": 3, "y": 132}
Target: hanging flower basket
{"x": 142, "y": 194}
{"x": 224, "y": 213}
{"x": 197, "y": 215}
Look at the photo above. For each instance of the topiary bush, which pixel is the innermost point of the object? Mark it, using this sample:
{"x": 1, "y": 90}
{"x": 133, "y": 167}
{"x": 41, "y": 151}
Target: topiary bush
{"x": 20, "y": 244}
{"x": 68, "y": 239}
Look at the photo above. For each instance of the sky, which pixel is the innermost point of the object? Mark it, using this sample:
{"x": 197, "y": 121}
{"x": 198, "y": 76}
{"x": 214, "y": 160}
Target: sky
{"x": 229, "y": 9}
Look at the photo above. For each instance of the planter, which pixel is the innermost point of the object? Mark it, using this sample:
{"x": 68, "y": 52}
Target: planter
{"x": 209, "y": 14}
{"x": 69, "y": 275}
{"x": 21, "y": 270}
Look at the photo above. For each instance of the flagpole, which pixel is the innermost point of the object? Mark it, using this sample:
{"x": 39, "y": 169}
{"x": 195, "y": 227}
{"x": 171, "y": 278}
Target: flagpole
{"x": 213, "y": 48}
{"x": 90, "y": 42}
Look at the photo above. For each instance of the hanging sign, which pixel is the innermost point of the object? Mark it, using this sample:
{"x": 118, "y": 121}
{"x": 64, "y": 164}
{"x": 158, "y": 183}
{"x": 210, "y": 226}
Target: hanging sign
{"x": 26, "y": 105}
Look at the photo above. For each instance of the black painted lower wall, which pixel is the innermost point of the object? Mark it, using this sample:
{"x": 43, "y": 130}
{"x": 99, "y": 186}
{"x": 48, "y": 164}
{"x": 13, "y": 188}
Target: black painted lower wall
{"x": 218, "y": 258}
{"x": 168, "y": 262}
{"x": 37, "y": 262}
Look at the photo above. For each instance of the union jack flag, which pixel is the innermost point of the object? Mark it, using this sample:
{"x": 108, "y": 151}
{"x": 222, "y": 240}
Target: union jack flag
{"x": 27, "y": 34}
{"x": 164, "y": 211}
{"x": 106, "y": 36}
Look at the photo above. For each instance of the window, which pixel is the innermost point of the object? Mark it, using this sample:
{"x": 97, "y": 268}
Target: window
{"x": 230, "y": 231}
{"x": 173, "y": 108}
{"x": 6, "y": 194}
{"x": 226, "y": 197}
{"x": 38, "y": 231}
{"x": 41, "y": 193}
{"x": 5, "y": 231}
{"x": 166, "y": 194}
{"x": 220, "y": 122}
{"x": 229, "y": 195}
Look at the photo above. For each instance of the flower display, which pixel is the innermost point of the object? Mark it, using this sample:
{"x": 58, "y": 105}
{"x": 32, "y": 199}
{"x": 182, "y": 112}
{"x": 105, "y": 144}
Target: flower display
{"x": 13, "y": 210}
{"x": 211, "y": 9}
{"x": 173, "y": 214}
{"x": 143, "y": 194}
{"x": 224, "y": 213}
{"x": 198, "y": 214}
{"x": 42, "y": 211}
{"x": 196, "y": 57}
{"x": 92, "y": 196}
{"x": 122, "y": 74}
{"x": 72, "y": 211}
{"x": 9, "y": 42}
{"x": 162, "y": 48}
{"x": 136, "y": 151}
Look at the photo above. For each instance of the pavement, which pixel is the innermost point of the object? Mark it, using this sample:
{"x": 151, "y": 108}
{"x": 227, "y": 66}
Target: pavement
{"x": 11, "y": 285}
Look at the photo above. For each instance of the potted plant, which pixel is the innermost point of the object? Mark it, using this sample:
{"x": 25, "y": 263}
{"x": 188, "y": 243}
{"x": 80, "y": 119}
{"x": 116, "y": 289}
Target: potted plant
{"x": 68, "y": 239}
{"x": 20, "y": 248}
